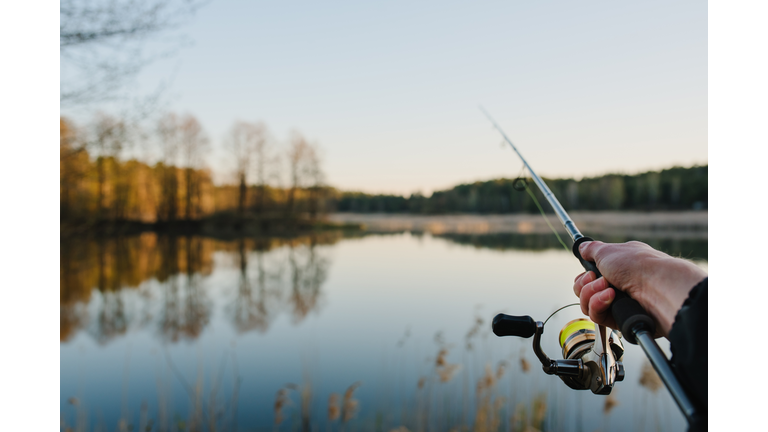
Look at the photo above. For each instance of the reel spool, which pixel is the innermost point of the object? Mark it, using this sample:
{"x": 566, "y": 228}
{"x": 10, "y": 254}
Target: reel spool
{"x": 578, "y": 336}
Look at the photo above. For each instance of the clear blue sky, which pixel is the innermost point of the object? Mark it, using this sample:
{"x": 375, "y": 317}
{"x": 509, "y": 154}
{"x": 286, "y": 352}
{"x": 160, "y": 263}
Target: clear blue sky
{"x": 391, "y": 90}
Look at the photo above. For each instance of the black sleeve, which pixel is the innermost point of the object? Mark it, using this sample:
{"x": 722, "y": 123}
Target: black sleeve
{"x": 688, "y": 343}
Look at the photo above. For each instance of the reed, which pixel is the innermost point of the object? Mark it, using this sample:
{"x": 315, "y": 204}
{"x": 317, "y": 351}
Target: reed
{"x": 349, "y": 404}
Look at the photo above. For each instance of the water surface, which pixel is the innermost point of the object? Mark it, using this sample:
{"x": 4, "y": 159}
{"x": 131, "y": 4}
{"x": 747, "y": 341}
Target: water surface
{"x": 193, "y": 333}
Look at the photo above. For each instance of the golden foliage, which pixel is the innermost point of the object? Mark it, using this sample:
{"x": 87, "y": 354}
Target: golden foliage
{"x": 96, "y": 184}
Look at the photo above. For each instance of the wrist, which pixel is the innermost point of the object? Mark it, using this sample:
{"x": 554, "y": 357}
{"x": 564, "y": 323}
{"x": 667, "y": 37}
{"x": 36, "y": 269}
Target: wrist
{"x": 669, "y": 286}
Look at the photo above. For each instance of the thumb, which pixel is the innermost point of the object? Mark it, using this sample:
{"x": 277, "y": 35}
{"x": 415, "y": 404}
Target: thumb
{"x": 590, "y": 250}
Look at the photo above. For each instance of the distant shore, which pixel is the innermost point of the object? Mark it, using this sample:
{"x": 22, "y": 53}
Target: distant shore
{"x": 684, "y": 224}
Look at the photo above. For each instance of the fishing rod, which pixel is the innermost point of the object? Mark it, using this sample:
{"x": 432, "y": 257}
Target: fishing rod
{"x": 593, "y": 356}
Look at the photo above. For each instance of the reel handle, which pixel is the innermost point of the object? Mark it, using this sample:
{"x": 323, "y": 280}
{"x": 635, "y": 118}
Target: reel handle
{"x": 510, "y": 325}
{"x": 627, "y": 312}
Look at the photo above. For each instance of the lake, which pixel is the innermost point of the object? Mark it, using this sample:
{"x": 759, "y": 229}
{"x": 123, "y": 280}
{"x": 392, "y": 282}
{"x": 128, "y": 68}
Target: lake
{"x": 332, "y": 331}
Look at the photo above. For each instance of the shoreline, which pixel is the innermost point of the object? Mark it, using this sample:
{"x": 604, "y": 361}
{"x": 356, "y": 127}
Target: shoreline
{"x": 668, "y": 224}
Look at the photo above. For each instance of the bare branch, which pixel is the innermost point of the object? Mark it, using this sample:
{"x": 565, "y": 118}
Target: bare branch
{"x": 102, "y": 43}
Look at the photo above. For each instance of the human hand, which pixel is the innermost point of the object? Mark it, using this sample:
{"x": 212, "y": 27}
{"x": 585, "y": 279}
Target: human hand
{"x": 659, "y": 282}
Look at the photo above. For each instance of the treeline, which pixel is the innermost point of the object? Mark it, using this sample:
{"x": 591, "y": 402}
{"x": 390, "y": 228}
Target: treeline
{"x": 670, "y": 189}
{"x": 283, "y": 181}
{"x": 100, "y": 183}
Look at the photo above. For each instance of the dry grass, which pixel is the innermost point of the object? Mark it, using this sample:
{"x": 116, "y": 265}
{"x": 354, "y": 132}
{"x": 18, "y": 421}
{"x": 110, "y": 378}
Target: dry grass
{"x": 349, "y": 404}
{"x": 334, "y": 410}
{"x": 445, "y": 371}
{"x": 488, "y": 415}
{"x": 524, "y": 365}
{"x": 282, "y": 400}
{"x": 649, "y": 378}
{"x": 610, "y": 403}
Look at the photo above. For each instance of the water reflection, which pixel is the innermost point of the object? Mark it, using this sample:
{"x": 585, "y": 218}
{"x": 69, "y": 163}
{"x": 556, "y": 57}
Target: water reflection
{"x": 185, "y": 307}
{"x": 275, "y": 275}
{"x": 308, "y": 272}
{"x": 100, "y": 273}
{"x": 255, "y": 305}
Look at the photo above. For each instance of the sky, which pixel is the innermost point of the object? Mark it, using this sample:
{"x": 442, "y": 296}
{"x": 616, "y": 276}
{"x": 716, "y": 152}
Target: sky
{"x": 391, "y": 91}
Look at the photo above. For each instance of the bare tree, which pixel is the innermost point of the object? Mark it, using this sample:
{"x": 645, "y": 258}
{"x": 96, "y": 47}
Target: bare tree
{"x": 262, "y": 159}
{"x": 193, "y": 143}
{"x": 315, "y": 178}
{"x": 305, "y": 172}
{"x": 297, "y": 151}
{"x": 168, "y": 130}
{"x": 248, "y": 144}
{"x": 102, "y": 42}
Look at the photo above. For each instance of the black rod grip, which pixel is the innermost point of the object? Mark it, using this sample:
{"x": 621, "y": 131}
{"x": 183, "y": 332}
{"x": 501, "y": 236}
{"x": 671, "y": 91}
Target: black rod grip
{"x": 510, "y": 325}
{"x": 626, "y": 311}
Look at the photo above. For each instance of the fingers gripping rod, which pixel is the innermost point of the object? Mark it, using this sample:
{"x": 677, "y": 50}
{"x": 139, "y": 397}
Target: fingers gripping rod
{"x": 633, "y": 321}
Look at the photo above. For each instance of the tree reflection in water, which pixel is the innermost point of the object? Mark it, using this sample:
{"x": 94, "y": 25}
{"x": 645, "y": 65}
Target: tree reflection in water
{"x": 186, "y": 309}
{"x": 72, "y": 298}
{"x": 124, "y": 279}
{"x": 256, "y": 306}
{"x": 261, "y": 297}
{"x": 112, "y": 320}
{"x": 308, "y": 272}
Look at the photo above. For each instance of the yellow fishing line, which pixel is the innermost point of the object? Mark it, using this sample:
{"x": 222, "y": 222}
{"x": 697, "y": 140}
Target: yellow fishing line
{"x": 574, "y": 326}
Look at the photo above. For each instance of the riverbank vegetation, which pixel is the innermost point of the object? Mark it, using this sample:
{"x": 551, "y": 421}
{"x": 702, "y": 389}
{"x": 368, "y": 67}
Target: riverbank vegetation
{"x": 675, "y": 188}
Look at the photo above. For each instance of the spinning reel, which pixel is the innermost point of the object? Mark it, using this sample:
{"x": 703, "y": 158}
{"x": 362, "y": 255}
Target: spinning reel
{"x": 592, "y": 354}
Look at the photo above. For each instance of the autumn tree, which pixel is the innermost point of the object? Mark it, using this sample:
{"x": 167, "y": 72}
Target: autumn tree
{"x": 110, "y": 136}
{"x": 73, "y": 165}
